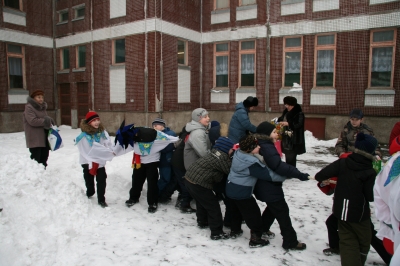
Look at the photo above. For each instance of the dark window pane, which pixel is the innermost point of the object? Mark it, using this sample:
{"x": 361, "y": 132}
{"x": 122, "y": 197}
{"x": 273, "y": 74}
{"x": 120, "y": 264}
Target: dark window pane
{"x": 222, "y": 81}
{"x": 222, "y": 47}
{"x": 383, "y": 36}
{"x": 221, "y": 71}
{"x": 248, "y": 45}
{"x": 63, "y": 16}
{"x": 15, "y": 49}
{"x": 181, "y": 52}
{"x": 327, "y": 39}
{"x": 15, "y": 72}
{"x": 80, "y": 12}
{"x": 292, "y": 78}
{"x": 325, "y": 67}
{"x": 324, "y": 79}
{"x": 381, "y": 70}
{"x": 120, "y": 51}
{"x": 247, "y": 80}
{"x": 65, "y": 58}
{"x": 12, "y": 3}
{"x": 82, "y": 56}
{"x": 292, "y": 68}
{"x": 293, "y": 42}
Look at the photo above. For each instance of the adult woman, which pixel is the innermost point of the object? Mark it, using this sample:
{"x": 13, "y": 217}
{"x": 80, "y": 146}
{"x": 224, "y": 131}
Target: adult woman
{"x": 36, "y": 125}
{"x": 292, "y": 119}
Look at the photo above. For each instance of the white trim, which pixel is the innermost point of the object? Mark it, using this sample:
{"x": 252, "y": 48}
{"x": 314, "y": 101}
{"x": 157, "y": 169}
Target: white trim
{"x": 377, "y": 2}
{"x": 14, "y": 18}
{"x": 19, "y": 37}
{"x": 345, "y": 209}
{"x": 323, "y": 5}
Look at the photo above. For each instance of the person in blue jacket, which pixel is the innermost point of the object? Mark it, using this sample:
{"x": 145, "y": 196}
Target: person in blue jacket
{"x": 240, "y": 122}
{"x": 246, "y": 169}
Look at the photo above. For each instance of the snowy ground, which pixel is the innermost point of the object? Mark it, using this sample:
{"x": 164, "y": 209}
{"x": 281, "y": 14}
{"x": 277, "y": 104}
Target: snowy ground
{"x": 48, "y": 220}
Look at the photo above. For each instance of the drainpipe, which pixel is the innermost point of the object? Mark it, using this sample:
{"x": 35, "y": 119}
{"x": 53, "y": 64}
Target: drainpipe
{"x": 161, "y": 67}
{"x": 91, "y": 54}
{"x": 201, "y": 54}
{"x": 267, "y": 59}
{"x": 55, "y": 90}
{"x": 146, "y": 74}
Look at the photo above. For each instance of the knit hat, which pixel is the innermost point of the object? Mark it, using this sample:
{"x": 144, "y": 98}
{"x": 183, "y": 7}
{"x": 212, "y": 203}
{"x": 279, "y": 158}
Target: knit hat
{"x": 265, "y": 128}
{"x": 214, "y": 123}
{"x": 248, "y": 143}
{"x": 366, "y": 143}
{"x": 290, "y": 100}
{"x": 250, "y": 101}
{"x": 198, "y": 113}
{"x": 90, "y": 116}
{"x": 223, "y": 144}
{"x": 158, "y": 121}
{"x": 395, "y": 146}
{"x": 356, "y": 113}
{"x": 36, "y": 93}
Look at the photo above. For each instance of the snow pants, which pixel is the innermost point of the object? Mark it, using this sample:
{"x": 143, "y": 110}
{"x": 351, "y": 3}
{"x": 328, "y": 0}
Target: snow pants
{"x": 101, "y": 177}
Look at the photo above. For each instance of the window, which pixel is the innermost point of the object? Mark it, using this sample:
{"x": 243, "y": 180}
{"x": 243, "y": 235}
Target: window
{"x": 292, "y": 56}
{"x": 119, "y": 51}
{"x": 15, "y": 57}
{"x": 219, "y": 4}
{"x": 65, "y": 58}
{"x": 247, "y": 2}
{"x": 247, "y": 62}
{"x": 382, "y": 47}
{"x": 221, "y": 63}
{"x": 79, "y": 11}
{"x": 63, "y": 16}
{"x": 182, "y": 52}
{"x": 17, "y": 4}
{"x": 325, "y": 51}
{"x": 81, "y": 56}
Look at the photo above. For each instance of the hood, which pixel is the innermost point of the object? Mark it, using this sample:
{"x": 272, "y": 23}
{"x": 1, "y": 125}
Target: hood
{"x": 263, "y": 138}
{"x": 358, "y": 160}
{"x": 36, "y": 105}
{"x": 89, "y": 129}
{"x": 240, "y": 106}
{"x": 242, "y": 161}
{"x": 193, "y": 125}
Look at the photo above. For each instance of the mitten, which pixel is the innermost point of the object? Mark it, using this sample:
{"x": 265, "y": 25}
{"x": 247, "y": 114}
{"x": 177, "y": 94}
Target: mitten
{"x": 303, "y": 177}
{"x": 93, "y": 170}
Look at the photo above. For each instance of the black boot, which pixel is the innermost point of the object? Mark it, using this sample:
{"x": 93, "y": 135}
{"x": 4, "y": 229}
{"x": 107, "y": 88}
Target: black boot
{"x": 256, "y": 241}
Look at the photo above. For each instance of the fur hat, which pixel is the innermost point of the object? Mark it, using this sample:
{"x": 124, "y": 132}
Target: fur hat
{"x": 265, "y": 128}
{"x": 356, "y": 113}
{"x": 290, "y": 100}
{"x": 90, "y": 116}
{"x": 366, "y": 143}
{"x": 199, "y": 113}
{"x": 36, "y": 93}
{"x": 158, "y": 121}
{"x": 248, "y": 143}
{"x": 394, "y": 146}
{"x": 223, "y": 144}
{"x": 250, "y": 101}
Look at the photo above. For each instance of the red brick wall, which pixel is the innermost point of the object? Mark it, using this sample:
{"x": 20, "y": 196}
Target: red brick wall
{"x": 184, "y": 13}
{"x": 72, "y": 26}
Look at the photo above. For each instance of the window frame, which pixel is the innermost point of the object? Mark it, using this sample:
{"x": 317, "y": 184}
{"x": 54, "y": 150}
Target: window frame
{"x": 379, "y": 45}
{"x": 241, "y": 3}
{"x": 324, "y": 47}
{"x": 223, "y": 53}
{"x": 288, "y": 50}
{"x": 185, "y": 52}
{"x": 60, "y": 13}
{"x": 113, "y": 52}
{"x": 215, "y": 5}
{"x": 15, "y": 55}
{"x": 249, "y": 51}
{"x": 62, "y": 58}
{"x": 77, "y": 57}
{"x": 20, "y": 5}
{"x": 75, "y": 9}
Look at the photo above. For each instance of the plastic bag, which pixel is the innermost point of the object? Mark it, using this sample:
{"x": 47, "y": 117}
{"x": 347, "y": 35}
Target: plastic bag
{"x": 55, "y": 140}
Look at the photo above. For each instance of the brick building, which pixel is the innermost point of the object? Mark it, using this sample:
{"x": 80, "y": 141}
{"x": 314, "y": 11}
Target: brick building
{"x": 140, "y": 59}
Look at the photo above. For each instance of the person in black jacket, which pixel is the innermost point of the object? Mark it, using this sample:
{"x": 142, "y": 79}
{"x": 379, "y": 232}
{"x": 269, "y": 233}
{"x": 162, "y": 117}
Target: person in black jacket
{"x": 354, "y": 191}
{"x": 293, "y": 120}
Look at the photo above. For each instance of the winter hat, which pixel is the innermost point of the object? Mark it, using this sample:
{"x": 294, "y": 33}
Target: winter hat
{"x": 395, "y": 132}
{"x": 91, "y": 116}
{"x": 223, "y": 144}
{"x": 158, "y": 121}
{"x": 356, "y": 113}
{"x": 198, "y": 113}
{"x": 214, "y": 123}
{"x": 290, "y": 100}
{"x": 395, "y": 146}
{"x": 250, "y": 101}
{"x": 366, "y": 143}
{"x": 248, "y": 143}
{"x": 36, "y": 93}
{"x": 265, "y": 128}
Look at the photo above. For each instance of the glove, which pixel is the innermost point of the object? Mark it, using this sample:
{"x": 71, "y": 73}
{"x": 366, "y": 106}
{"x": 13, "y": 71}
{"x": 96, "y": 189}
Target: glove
{"x": 93, "y": 170}
{"x": 304, "y": 177}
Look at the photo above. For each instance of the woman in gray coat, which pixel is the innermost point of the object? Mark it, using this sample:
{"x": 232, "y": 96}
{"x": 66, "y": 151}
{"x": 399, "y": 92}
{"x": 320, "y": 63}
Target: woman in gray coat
{"x": 36, "y": 125}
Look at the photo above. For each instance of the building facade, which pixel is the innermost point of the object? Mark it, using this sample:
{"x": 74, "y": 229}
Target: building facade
{"x": 137, "y": 60}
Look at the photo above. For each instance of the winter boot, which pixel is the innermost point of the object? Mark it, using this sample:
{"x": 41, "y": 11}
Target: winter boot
{"x": 268, "y": 235}
{"x": 187, "y": 209}
{"x": 256, "y": 241}
{"x": 299, "y": 246}
{"x": 103, "y": 204}
{"x": 219, "y": 236}
{"x": 236, "y": 234}
{"x": 131, "y": 202}
{"x": 152, "y": 208}
{"x": 331, "y": 251}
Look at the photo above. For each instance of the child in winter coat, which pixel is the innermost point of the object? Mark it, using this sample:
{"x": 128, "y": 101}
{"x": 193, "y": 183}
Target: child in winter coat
{"x": 353, "y": 192}
{"x": 95, "y": 149}
{"x": 272, "y": 192}
{"x": 200, "y": 179}
{"x": 246, "y": 169}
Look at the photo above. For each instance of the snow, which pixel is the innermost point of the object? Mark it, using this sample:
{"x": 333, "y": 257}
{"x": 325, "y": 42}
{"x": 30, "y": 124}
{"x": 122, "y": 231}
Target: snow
{"x": 48, "y": 220}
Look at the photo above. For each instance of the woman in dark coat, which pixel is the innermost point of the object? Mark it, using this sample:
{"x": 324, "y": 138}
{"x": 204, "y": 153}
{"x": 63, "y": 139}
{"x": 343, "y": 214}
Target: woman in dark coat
{"x": 292, "y": 119}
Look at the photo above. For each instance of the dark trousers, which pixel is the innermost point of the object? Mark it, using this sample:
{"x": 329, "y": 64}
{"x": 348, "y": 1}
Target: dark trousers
{"x": 185, "y": 195}
{"x": 170, "y": 188}
{"x": 165, "y": 177}
{"x": 40, "y": 154}
{"x": 220, "y": 191}
{"x": 290, "y": 157}
{"x": 279, "y": 210}
{"x": 248, "y": 210}
{"x": 101, "y": 178}
{"x": 376, "y": 243}
{"x": 147, "y": 171}
{"x": 207, "y": 207}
